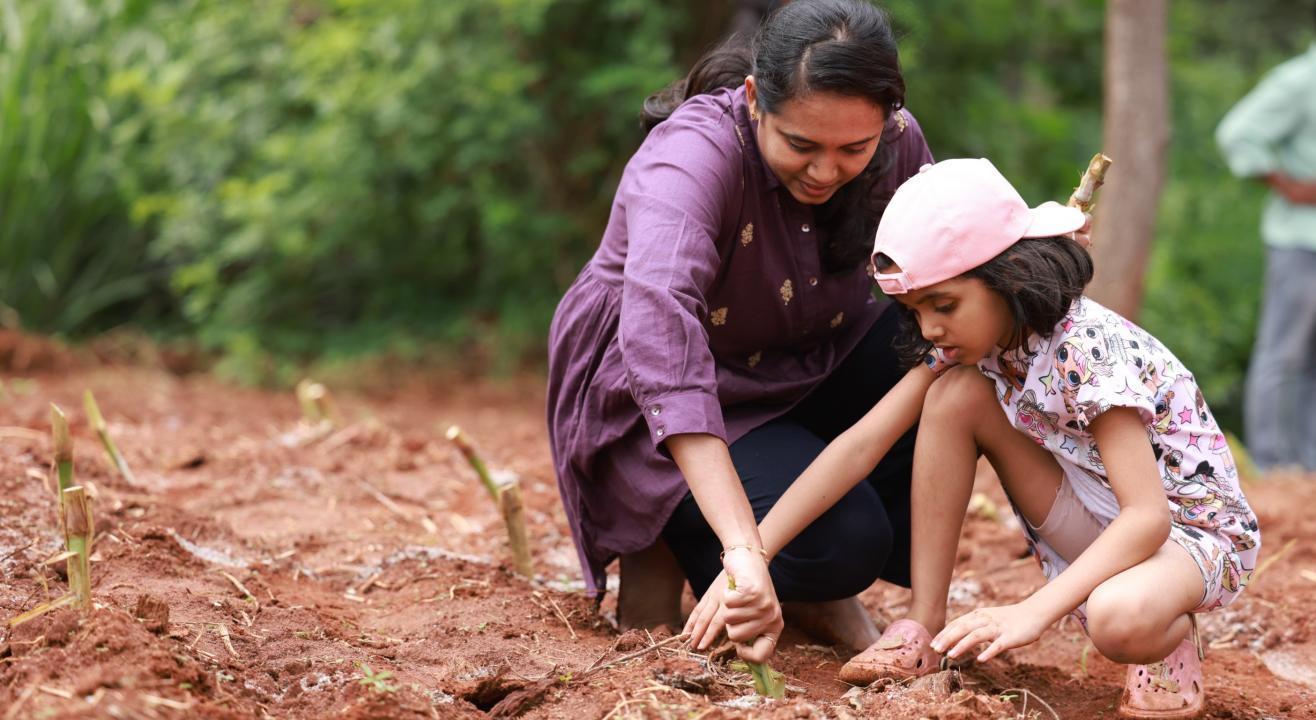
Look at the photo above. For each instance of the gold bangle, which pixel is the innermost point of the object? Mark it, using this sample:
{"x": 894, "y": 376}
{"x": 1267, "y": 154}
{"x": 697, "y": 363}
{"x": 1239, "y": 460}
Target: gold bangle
{"x": 729, "y": 548}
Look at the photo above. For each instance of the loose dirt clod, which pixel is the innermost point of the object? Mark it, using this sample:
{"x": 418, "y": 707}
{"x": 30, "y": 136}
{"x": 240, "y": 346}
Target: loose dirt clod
{"x": 153, "y": 612}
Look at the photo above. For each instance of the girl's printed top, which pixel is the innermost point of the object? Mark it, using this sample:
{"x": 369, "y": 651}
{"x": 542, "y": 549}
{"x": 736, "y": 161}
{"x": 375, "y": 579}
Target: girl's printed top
{"x": 1095, "y": 360}
{"x": 705, "y": 310}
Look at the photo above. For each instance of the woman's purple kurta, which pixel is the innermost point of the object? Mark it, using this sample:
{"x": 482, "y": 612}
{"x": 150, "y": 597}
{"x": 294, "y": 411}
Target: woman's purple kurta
{"x": 704, "y": 310}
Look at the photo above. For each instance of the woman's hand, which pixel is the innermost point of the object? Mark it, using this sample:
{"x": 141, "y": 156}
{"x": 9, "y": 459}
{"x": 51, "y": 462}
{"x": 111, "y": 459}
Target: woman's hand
{"x": 707, "y": 620}
{"x": 1005, "y": 627}
{"x": 750, "y": 614}
{"x": 751, "y": 611}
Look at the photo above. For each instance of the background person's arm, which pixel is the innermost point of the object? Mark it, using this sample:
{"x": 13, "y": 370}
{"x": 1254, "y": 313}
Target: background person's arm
{"x": 1298, "y": 192}
{"x": 1251, "y": 133}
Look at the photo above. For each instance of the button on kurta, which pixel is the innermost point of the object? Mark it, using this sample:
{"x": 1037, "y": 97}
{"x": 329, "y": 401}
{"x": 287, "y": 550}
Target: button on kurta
{"x": 813, "y": 281}
{"x": 805, "y": 227}
{"x": 655, "y": 410}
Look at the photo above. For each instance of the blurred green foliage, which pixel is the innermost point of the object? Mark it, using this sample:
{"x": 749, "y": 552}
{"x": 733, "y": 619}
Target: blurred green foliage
{"x": 293, "y": 179}
{"x": 66, "y": 255}
{"x": 337, "y": 176}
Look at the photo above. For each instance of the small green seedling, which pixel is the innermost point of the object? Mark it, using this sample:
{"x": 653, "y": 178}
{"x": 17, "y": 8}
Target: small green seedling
{"x": 376, "y": 681}
{"x": 767, "y": 682}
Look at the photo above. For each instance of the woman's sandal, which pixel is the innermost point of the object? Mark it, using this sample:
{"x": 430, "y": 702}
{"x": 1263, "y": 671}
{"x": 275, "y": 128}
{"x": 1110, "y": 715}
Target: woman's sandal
{"x": 904, "y": 651}
{"x": 1171, "y": 688}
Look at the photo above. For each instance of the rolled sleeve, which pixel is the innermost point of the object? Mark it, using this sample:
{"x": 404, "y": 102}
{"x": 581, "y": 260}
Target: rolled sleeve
{"x": 674, "y": 197}
{"x": 692, "y": 412}
{"x": 1251, "y": 134}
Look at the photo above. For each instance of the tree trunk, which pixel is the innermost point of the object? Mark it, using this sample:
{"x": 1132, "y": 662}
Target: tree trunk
{"x": 1136, "y": 136}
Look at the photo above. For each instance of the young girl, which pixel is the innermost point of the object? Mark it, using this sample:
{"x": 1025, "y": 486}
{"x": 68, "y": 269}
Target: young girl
{"x": 1119, "y": 473}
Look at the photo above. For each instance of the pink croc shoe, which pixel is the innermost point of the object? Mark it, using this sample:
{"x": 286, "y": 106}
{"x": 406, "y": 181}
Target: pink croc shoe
{"x": 904, "y": 651}
{"x": 1171, "y": 688}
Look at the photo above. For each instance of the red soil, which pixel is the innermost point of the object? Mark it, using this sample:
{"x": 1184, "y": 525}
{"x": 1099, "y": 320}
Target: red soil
{"x": 375, "y": 546}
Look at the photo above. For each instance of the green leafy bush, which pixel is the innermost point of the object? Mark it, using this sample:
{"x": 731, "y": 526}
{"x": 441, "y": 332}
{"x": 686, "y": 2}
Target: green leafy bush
{"x": 332, "y": 175}
{"x": 69, "y": 258}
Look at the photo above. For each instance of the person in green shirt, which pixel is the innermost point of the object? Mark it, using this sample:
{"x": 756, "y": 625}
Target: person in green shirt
{"x": 1271, "y": 135}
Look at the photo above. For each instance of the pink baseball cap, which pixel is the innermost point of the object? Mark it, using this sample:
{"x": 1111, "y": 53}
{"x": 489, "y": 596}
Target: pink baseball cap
{"x": 954, "y": 216}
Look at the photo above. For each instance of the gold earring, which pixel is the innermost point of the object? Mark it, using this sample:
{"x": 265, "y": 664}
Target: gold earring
{"x": 754, "y": 114}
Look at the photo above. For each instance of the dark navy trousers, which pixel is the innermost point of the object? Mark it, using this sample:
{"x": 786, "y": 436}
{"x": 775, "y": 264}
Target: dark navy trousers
{"x": 865, "y": 535}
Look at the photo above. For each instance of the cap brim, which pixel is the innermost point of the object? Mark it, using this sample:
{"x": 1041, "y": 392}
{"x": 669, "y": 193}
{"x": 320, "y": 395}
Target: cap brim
{"x": 1051, "y": 219}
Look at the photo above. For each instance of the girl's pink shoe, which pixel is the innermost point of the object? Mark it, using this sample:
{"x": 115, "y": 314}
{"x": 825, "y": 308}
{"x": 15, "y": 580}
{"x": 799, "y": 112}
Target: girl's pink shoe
{"x": 904, "y": 651}
{"x": 1171, "y": 688}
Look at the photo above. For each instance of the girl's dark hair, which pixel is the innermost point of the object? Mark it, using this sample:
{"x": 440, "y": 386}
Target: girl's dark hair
{"x": 1039, "y": 279}
{"x": 838, "y": 46}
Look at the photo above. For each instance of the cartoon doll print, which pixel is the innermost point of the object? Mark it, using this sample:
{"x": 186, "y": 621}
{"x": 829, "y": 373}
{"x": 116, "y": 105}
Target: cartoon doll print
{"x": 1036, "y": 421}
{"x": 1163, "y": 422}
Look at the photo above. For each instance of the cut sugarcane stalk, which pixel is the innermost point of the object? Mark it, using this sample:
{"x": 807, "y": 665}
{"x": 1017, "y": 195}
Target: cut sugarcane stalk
{"x": 317, "y": 406}
{"x": 307, "y": 395}
{"x": 467, "y": 449}
{"x": 102, "y": 430}
{"x": 1085, "y": 194}
{"x": 59, "y": 432}
{"x": 509, "y": 503}
{"x": 507, "y": 496}
{"x": 767, "y": 682}
{"x": 78, "y": 528}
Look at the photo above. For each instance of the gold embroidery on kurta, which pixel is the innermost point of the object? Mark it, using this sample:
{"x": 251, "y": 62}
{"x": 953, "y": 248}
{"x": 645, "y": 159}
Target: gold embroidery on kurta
{"x": 741, "y": 136}
{"x": 787, "y": 292}
{"x": 840, "y": 318}
{"x": 755, "y": 358}
{"x": 747, "y": 234}
{"x": 719, "y": 316}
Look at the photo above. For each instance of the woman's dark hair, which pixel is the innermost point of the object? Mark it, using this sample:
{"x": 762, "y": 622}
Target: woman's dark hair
{"x": 838, "y": 46}
{"x": 1039, "y": 279}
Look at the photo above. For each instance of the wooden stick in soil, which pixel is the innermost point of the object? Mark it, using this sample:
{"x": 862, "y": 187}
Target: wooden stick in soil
{"x": 508, "y": 498}
{"x": 102, "y": 430}
{"x": 79, "y": 528}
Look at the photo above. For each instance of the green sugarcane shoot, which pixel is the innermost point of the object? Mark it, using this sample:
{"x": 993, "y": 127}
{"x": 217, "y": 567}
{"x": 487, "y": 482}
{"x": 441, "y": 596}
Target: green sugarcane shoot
{"x": 78, "y": 527}
{"x": 102, "y": 430}
{"x": 59, "y": 431}
{"x": 767, "y": 682}
{"x": 506, "y": 495}
{"x": 467, "y": 449}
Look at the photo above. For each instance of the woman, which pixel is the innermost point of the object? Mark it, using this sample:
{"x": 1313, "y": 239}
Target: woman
{"x": 725, "y": 331}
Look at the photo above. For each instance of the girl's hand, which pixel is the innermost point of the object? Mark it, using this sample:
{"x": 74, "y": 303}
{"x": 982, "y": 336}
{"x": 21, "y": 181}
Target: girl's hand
{"x": 751, "y": 611}
{"x": 1005, "y": 627}
{"x": 707, "y": 620}
{"x": 1083, "y": 235}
